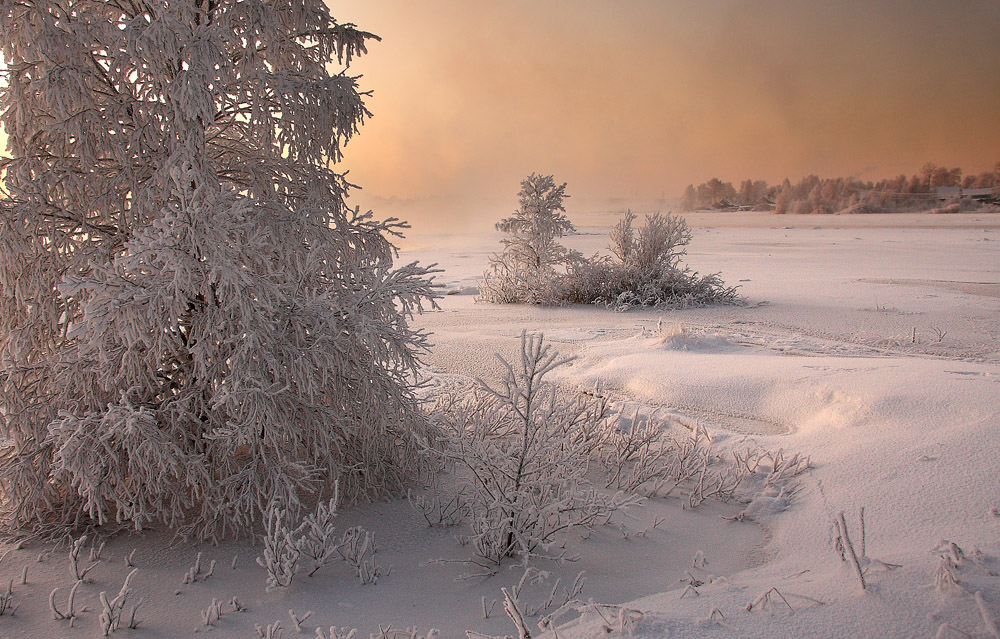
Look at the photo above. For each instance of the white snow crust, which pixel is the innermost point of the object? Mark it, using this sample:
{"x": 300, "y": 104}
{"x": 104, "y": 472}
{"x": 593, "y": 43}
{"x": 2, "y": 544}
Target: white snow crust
{"x": 869, "y": 343}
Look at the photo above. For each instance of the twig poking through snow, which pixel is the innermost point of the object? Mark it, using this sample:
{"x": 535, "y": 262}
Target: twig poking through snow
{"x": 764, "y": 600}
{"x": 943, "y": 628}
{"x": 74, "y": 559}
{"x": 946, "y": 577}
{"x": 716, "y": 618}
{"x": 272, "y": 631}
{"x": 510, "y": 607}
{"x": 96, "y": 550}
{"x": 111, "y": 611}
{"x": 7, "y": 606}
{"x": 849, "y": 548}
{"x": 297, "y": 621}
{"x": 689, "y": 589}
{"x": 195, "y": 574}
{"x": 487, "y": 610}
{"x": 70, "y": 611}
{"x": 213, "y": 613}
{"x": 861, "y": 525}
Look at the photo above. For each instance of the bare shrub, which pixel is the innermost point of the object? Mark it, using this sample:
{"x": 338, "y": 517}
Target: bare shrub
{"x": 523, "y": 451}
{"x": 646, "y": 269}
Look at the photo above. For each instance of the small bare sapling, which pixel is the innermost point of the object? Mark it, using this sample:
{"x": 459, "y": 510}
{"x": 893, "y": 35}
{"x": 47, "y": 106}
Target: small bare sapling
{"x": 523, "y": 451}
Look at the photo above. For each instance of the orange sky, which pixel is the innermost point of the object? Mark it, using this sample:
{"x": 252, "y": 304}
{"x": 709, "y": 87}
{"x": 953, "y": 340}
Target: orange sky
{"x": 630, "y": 101}
{"x": 638, "y": 98}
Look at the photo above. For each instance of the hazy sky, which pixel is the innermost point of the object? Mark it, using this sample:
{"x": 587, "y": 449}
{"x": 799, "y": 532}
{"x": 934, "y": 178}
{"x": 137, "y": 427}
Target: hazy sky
{"x": 638, "y": 98}
{"x": 631, "y": 100}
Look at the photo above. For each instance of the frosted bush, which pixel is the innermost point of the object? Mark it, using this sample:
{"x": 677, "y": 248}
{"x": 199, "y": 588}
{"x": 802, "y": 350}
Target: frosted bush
{"x": 523, "y": 451}
{"x": 646, "y": 270}
{"x": 193, "y": 321}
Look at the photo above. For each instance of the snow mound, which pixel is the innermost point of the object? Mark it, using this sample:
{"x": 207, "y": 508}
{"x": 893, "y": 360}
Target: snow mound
{"x": 679, "y": 338}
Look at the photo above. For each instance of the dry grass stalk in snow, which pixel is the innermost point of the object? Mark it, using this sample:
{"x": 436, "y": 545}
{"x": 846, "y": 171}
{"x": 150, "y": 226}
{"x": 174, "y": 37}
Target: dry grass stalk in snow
{"x": 7, "y": 605}
{"x": 290, "y": 549}
{"x": 111, "y": 610}
{"x": 71, "y": 611}
{"x": 845, "y": 547}
{"x": 195, "y": 573}
{"x": 74, "y": 559}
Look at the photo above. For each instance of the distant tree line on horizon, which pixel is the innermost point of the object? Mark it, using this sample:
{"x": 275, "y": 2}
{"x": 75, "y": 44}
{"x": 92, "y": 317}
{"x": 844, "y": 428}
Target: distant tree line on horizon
{"x": 813, "y": 194}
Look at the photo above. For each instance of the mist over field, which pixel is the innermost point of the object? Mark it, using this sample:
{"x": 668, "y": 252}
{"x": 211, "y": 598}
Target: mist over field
{"x": 630, "y": 104}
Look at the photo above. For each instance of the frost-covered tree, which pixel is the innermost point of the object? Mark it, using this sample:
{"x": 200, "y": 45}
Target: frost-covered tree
{"x": 193, "y": 323}
{"x": 528, "y": 269}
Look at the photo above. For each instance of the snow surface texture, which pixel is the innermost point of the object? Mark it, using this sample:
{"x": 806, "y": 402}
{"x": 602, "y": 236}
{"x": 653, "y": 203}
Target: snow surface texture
{"x": 869, "y": 343}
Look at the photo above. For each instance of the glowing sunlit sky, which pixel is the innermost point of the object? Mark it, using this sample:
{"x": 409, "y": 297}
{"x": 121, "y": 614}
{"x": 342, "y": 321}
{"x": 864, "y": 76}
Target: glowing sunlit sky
{"x": 638, "y": 98}
{"x": 630, "y": 101}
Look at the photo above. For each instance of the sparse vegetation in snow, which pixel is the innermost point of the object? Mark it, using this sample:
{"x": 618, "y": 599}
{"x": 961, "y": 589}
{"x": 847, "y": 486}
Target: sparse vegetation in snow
{"x": 645, "y": 268}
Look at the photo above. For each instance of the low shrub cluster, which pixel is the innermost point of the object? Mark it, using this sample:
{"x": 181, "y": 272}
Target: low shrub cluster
{"x": 645, "y": 267}
{"x": 646, "y": 270}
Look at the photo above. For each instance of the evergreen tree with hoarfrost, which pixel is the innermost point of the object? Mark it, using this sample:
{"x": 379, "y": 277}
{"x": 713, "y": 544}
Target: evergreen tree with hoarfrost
{"x": 533, "y": 262}
{"x": 193, "y": 323}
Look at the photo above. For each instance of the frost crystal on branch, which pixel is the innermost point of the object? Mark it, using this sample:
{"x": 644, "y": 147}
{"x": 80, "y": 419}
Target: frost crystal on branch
{"x": 192, "y": 319}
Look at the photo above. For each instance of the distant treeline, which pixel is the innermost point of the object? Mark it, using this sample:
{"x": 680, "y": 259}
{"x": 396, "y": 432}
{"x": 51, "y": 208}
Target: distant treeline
{"x": 925, "y": 190}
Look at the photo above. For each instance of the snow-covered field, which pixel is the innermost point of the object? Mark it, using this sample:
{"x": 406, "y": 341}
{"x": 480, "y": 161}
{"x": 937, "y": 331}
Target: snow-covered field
{"x": 869, "y": 343}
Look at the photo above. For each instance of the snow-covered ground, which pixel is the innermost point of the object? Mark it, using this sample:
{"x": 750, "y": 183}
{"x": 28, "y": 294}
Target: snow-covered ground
{"x": 869, "y": 343}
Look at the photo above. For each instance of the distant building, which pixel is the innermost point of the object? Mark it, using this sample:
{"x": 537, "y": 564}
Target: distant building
{"x": 725, "y": 204}
{"x": 986, "y": 195}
